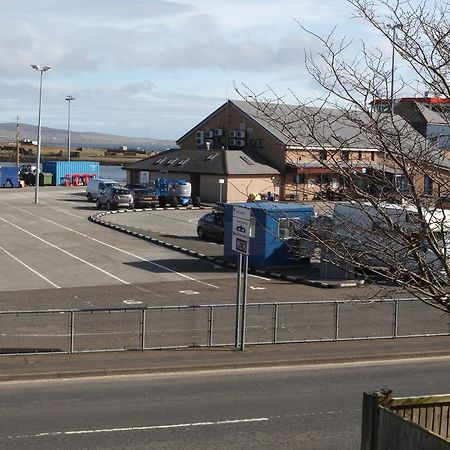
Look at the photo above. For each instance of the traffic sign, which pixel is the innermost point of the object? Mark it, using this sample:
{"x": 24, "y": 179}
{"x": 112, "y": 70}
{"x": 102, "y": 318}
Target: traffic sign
{"x": 241, "y": 229}
{"x": 239, "y": 245}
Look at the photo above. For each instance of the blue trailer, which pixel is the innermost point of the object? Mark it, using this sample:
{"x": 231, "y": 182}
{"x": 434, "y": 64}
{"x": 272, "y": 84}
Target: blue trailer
{"x": 62, "y": 170}
{"x": 9, "y": 176}
{"x": 276, "y": 226}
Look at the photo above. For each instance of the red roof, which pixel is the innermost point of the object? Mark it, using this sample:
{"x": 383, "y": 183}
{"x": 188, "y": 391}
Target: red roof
{"x": 428, "y": 100}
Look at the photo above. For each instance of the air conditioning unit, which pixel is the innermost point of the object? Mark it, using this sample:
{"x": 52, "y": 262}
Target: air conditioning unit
{"x": 209, "y": 134}
{"x": 240, "y": 142}
{"x": 199, "y": 137}
{"x": 233, "y": 134}
{"x": 218, "y": 132}
{"x": 232, "y": 142}
{"x": 240, "y": 134}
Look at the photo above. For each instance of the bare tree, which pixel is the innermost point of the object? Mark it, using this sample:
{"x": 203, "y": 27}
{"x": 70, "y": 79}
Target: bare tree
{"x": 393, "y": 226}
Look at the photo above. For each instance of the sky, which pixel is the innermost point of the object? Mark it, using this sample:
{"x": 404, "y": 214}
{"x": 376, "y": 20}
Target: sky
{"x": 155, "y": 68}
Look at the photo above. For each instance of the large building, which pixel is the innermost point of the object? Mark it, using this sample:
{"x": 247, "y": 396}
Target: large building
{"x": 239, "y": 149}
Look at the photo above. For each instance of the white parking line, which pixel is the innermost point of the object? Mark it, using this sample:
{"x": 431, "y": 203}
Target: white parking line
{"x": 182, "y": 275}
{"x": 30, "y": 268}
{"x": 65, "y": 251}
{"x": 258, "y": 276}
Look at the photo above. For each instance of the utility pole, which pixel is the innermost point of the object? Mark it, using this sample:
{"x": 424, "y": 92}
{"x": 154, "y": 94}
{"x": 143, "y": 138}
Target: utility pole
{"x": 17, "y": 142}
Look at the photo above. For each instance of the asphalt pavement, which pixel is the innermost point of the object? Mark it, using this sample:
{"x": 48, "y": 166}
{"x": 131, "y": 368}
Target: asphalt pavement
{"x": 125, "y": 221}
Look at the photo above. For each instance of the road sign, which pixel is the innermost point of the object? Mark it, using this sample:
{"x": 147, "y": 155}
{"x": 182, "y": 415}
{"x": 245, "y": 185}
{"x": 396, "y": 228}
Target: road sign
{"x": 241, "y": 229}
{"x": 241, "y": 212}
{"x": 241, "y": 222}
{"x": 239, "y": 245}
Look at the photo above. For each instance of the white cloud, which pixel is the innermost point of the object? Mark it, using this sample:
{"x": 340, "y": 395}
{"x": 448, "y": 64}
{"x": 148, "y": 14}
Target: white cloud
{"x": 152, "y": 64}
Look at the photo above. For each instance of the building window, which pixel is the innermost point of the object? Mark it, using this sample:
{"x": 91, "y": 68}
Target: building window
{"x": 372, "y": 156}
{"x": 427, "y": 185}
{"x": 323, "y": 155}
{"x": 288, "y": 228}
{"x": 345, "y": 155}
{"x": 299, "y": 178}
{"x": 359, "y": 155}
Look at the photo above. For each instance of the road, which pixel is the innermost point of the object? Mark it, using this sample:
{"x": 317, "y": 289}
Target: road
{"x": 292, "y": 408}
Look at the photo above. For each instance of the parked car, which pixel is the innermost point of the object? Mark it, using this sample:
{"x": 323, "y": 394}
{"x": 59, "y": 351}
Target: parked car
{"x": 114, "y": 197}
{"x": 97, "y": 185}
{"x": 211, "y": 226}
{"x": 144, "y": 197}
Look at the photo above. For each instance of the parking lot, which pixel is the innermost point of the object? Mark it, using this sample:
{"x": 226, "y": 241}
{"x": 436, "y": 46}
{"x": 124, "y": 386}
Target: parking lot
{"x": 51, "y": 256}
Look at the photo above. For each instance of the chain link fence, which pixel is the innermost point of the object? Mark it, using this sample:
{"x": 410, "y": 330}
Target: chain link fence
{"x": 95, "y": 330}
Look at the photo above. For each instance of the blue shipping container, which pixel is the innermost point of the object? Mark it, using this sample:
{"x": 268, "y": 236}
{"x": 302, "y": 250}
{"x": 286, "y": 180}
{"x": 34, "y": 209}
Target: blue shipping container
{"x": 270, "y": 246}
{"x": 9, "y": 177}
{"x": 60, "y": 169}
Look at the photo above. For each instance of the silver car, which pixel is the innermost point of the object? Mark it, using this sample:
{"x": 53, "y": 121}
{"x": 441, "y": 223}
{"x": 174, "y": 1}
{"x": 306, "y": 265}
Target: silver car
{"x": 114, "y": 197}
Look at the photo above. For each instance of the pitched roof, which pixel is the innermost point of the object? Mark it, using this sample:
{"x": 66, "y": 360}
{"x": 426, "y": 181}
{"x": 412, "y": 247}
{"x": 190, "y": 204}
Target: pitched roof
{"x": 335, "y": 129}
{"x": 218, "y": 162}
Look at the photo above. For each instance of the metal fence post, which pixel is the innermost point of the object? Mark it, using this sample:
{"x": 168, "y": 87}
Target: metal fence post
{"x": 336, "y": 321}
{"x": 211, "y": 326}
{"x": 143, "y": 329}
{"x": 275, "y": 323}
{"x": 72, "y": 331}
{"x": 395, "y": 321}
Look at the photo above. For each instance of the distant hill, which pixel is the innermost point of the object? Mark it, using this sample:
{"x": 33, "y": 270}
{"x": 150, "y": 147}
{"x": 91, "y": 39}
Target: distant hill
{"x": 57, "y": 138}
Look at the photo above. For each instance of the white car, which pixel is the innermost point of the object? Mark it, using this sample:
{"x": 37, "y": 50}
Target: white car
{"x": 97, "y": 185}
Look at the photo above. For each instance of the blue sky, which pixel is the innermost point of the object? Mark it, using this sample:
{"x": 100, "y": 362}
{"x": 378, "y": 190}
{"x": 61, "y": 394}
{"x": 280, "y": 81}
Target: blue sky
{"x": 155, "y": 68}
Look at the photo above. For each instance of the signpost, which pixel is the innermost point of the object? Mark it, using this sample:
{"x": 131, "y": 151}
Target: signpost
{"x": 240, "y": 240}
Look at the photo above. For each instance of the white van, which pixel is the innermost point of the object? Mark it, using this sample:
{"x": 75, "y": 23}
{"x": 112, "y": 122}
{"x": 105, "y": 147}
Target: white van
{"x": 370, "y": 232}
{"x": 97, "y": 185}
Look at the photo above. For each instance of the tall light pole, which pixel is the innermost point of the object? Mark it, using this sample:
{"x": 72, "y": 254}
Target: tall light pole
{"x": 394, "y": 38}
{"x": 38, "y": 158}
{"x": 69, "y": 98}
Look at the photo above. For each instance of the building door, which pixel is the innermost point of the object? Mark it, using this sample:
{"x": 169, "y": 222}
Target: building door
{"x": 195, "y": 183}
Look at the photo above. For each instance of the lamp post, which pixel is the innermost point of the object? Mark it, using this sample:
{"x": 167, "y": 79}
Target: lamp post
{"x": 69, "y": 98}
{"x": 38, "y": 157}
{"x": 394, "y": 38}
{"x": 221, "y": 182}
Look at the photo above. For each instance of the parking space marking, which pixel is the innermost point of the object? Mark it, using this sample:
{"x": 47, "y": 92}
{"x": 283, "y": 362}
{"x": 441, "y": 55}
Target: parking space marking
{"x": 182, "y": 275}
{"x": 30, "y": 268}
{"x": 258, "y": 276}
{"x": 65, "y": 251}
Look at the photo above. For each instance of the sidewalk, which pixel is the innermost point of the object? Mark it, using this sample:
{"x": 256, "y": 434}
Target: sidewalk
{"x": 28, "y": 367}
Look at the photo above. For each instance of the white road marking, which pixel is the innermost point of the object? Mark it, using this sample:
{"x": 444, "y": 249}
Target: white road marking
{"x": 65, "y": 252}
{"x": 116, "y": 248}
{"x": 142, "y": 428}
{"x": 258, "y": 276}
{"x": 30, "y": 268}
{"x": 132, "y": 302}
{"x": 189, "y": 292}
{"x": 257, "y": 288}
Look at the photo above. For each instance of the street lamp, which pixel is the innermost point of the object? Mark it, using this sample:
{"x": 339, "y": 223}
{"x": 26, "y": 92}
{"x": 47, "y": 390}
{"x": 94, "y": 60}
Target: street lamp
{"x": 394, "y": 38}
{"x": 221, "y": 182}
{"x": 38, "y": 158}
{"x": 69, "y": 98}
